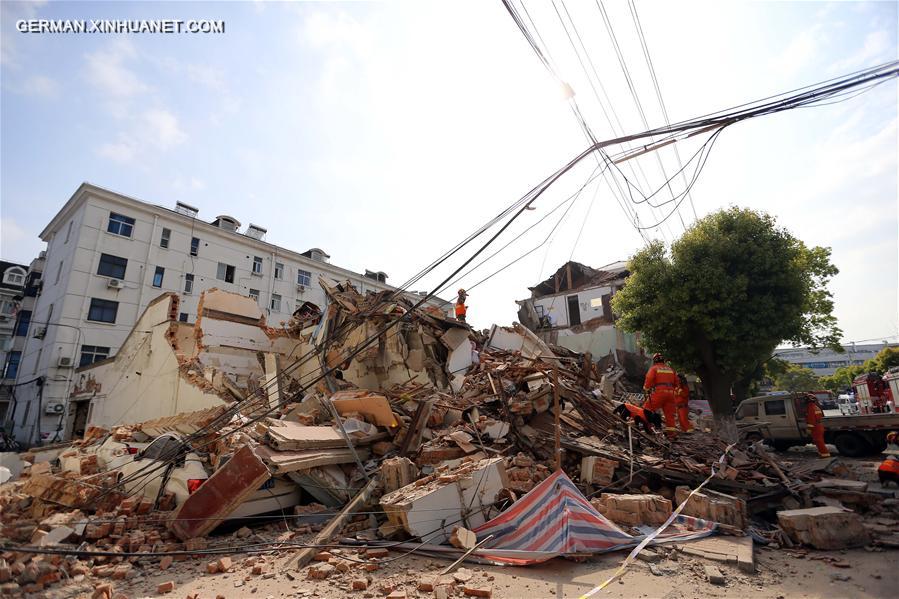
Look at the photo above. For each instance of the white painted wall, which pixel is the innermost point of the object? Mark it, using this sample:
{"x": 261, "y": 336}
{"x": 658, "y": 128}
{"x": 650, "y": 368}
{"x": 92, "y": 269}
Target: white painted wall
{"x": 71, "y": 280}
{"x": 557, "y": 305}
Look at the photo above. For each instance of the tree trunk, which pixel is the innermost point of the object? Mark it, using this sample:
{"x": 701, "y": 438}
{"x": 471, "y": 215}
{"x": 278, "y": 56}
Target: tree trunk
{"x": 717, "y": 385}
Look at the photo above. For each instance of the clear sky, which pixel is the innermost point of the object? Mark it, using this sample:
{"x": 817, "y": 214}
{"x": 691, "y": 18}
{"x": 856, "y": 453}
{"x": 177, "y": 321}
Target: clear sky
{"x": 386, "y": 132}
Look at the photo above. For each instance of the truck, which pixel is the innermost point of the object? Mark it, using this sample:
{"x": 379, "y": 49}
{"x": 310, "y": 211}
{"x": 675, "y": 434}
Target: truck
{"x": 873, "y": 393}
{"x": 780, "y": 420}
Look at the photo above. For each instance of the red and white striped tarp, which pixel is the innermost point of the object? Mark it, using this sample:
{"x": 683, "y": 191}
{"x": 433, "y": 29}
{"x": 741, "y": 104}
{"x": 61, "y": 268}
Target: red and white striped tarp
{"x": 555, "y": 519}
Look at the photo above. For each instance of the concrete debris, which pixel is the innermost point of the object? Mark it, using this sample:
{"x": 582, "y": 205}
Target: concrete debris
{"x": 824, "y": 527}
{"x": 442, "y": 428}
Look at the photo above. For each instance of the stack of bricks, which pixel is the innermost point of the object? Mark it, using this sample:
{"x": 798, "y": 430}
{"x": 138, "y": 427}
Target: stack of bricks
{"x": 524, "y": 473}
{"x": 633, "y": 510}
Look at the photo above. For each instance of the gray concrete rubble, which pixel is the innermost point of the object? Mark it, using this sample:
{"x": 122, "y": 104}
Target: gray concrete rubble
{"x": 421, "y": 436}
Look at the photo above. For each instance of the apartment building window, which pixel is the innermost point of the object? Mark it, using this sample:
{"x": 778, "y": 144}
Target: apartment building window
{"x": 225, "y": 273}
{"x": 22, "y": 322}
{"x": 112, "y": 266}
{"x": 12, "y": 365}
{"x": 279, "y": 270}
{"x": 157, "y": 276}
{"x": 165, "y": 238}
{"x": 194, "y": 246}
{"x": 14, "y": 276}
{"x": 304, "y": 277}
{"x": 257, "y": 265}
{"x": 182, "y": 317}
{"x": 92, "y": 353}
{"x": 276, "y": 302}
{"x": 69, "y": 231}
{"x": 7, "y": 307}
{"x": 120, "y": 225}
{"x": 103, "y": 310}
{"x": 188, "y": 283}
{"x": 254, "y": 293}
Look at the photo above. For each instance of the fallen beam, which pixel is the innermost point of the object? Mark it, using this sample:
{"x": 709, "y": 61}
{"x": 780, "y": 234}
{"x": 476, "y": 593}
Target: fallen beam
{"x": 336, "y": 523}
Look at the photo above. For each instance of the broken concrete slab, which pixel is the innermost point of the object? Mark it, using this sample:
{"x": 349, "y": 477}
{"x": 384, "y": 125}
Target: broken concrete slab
{"x": 841, "y": 483}
{"x": 291, "y": 461}
{"x": 431, "y": 507}
{"x": 730, "y": 550}
{"x": 824, "y": 527}
{"x": 222, "y": 492}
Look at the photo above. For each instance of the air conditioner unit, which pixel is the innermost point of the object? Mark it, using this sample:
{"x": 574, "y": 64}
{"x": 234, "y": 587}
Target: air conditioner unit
{"x": 54, "y": 408}
{"x": 64, "y": 362}
{"x": 301, "y": 288}
{"x": 115, "y": 283}
{"x": 40, "y": 333}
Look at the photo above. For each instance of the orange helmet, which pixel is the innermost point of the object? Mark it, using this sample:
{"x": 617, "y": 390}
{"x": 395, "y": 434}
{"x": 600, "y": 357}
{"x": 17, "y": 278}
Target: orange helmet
{"x": 656, "y": 358}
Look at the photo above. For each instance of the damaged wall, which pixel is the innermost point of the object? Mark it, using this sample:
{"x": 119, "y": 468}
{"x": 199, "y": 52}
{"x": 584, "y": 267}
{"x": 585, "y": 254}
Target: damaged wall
{"x": 145, "y": 380}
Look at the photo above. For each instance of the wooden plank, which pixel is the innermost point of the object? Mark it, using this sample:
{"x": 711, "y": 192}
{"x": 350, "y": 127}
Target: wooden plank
{"x": 334, "y": 525}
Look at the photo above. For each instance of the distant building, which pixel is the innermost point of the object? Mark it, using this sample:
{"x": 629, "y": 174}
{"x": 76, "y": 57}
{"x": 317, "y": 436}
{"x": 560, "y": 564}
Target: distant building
{"x": 573, "y": 309}
{"x": 825, "y": 362}
{"x": 109, "y": 256}
{"x": 12, "y": 290}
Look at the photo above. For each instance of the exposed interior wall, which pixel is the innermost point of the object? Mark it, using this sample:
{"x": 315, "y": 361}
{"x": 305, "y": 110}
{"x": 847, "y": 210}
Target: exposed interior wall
{"x": 144, "y": 380}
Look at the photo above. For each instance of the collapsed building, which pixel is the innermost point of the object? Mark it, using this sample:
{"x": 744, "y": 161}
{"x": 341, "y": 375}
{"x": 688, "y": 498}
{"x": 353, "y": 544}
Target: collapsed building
{"x": 573, "y": 309}
{"x": 447, "y": 441}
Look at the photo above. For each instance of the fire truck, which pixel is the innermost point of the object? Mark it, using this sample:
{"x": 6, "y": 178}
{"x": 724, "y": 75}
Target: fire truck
{"x": 873, "y": 394}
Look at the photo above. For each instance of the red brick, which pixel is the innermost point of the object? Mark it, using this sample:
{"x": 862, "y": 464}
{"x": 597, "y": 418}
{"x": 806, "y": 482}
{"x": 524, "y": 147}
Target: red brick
{"x": 166, "y": 587}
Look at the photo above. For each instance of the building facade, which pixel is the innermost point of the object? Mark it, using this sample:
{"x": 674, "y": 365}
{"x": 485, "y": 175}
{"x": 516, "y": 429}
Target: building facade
{"x": 108, "y": 256}
{"x": 13, "y": 278}
{"x": 825, "y": 362}
{"x": 573, "y": 309}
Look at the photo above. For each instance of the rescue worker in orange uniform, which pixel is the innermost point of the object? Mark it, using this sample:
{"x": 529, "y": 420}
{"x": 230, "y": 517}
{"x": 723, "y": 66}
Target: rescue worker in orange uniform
{"x": 661, "y": 385}
{"x": 814, "y": 424}
{"x": 641, "y": 417}
{"x": 461, "y": 308}
{"x": 888, "y": 471}
{"x": 682, "y": 403}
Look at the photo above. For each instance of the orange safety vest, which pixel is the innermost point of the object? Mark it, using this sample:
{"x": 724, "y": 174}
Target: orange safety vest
{"x": 661, "y": 375}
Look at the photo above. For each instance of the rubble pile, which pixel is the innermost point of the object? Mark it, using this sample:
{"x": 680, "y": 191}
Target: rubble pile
{"x": 433, "y": 430}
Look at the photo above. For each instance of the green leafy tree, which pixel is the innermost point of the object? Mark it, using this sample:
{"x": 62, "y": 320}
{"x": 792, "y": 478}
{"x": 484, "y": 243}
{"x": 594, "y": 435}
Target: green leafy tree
{"x": 796, "y": 378}
{"x": 730, "y": 290}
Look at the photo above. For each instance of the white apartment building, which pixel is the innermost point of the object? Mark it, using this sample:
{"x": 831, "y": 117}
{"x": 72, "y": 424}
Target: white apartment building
{"x": 109, "y": 255}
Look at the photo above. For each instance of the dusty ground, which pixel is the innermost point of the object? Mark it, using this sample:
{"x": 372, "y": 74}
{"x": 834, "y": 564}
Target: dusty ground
{"x": 857, "y": 573}
{"x": 780, "y": 574}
